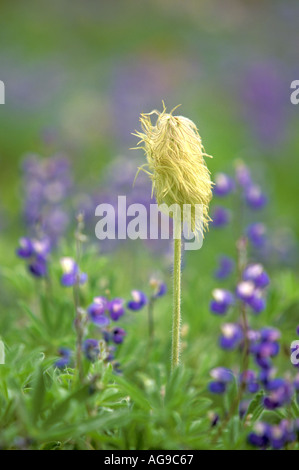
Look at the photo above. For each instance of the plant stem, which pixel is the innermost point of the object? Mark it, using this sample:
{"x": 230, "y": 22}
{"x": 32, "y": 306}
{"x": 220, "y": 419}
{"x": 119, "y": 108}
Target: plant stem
{"x": 150, "y": 312}
{"x": 176, "y": 318}
{"x": 79, "y": 332}
{"x": 76, "y": 292}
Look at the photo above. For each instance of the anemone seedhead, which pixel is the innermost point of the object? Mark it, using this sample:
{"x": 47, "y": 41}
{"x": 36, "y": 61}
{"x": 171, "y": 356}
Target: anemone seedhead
{"x": 175, "y": 162}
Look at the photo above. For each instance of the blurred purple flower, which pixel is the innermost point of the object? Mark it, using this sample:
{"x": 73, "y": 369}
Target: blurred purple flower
{"x": 220, "y": 217}
{"x": 47, "y": 185}
{"x": 159, "y": 288}
{"x": 97, "y": 312}
{"x": 35, "y": 252}
{"x": 139, "y": 300}
{"x": 91, "y": 349}
{"x": 118, "y": 335}
{"x": 232, "y": 336}
{"x": 256, "y": 274}
{"x": 64, "y": 361}
{"x": 222, "y": 300}
{"x": 243, "y": 175}
{"x": 222, "y": 377}
{"x": 225, "y": 268}
{"x": 255, "y": 198}
{"x": 249, "y": 377}
{"x": 256, "y": 234}
{"x": 116, "y": 308}
{"x": 224, "y": 185}
{"x": 71, "y": 274}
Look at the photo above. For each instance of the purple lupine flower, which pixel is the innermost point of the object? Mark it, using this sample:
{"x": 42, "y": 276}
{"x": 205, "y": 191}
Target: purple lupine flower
{"x": 266, "y": 375}
{"x": 91, "y": 349}
{"x": 279, "y": 397}
{"x": 281, "y": 434}
{"x": 255, "y": 198}
{"x": 256, "y": 234}
{"x": 220, "y": 217}
{"x": 116, "y": 308}
{"x": 260, "y": 436}
{"x": 71, "y": 274}
{"x": 35, "y": 252}
{"x": 225, "y": 268}
{"x": 274, "y": 384}
{"x": 245, "y": 290}
{"x": 97, "y": 312}
{"x": 249, "y": 377}
{"x": 224, "y": 185}
{"x": 266, "y": 349}
{"x": 270, "y": 334}
{"x": 65, "y": 358}
{"x": 243, "y": 175}
{"x": 159, "y": 288}
{"x": 118, "y": 335}
{"x": 253, "y": 336}
{"x": 222, "y": 374}
{"x": 139, "y": 300}
{"x": 222, "y": 300}
{"x": 289, "y": 428}
{"x": 38, "y": 267}
{"x": 257, "y": 303}
{"x": 231, "y": 337}
{"x": 297, "y": 330}
{"x": 222, "y": 377}
{"x": 263, "y": 362}
{"x": 42, "y": 247}
{"x": 217, "y": 387}
{"x": 256, "y": 274}
{"x": 25, "y": 249}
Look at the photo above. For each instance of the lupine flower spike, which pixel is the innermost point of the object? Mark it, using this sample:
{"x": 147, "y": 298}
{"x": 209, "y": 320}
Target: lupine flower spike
{"x": 179, "y": 175}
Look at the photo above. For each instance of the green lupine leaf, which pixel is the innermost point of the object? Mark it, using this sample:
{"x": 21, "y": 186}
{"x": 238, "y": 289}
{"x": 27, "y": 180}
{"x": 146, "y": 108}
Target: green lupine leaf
{"x": 38, "y": 393}
{"x": 62, "y": 407}
{"x": 133, "y": 392}
{"x": 256, "y": 407}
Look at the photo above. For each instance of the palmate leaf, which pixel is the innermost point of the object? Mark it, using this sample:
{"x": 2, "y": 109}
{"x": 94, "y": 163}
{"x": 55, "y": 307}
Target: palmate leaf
{"x": 37, "y": 323}
{"x": 256, "y": 406}
{"x": 60, "y": 409}
{"x": 101, "y": 424}
{"x": 133, "y": 392}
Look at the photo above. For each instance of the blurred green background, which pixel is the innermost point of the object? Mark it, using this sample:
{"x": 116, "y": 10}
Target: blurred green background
{"x": 78, "y": 74}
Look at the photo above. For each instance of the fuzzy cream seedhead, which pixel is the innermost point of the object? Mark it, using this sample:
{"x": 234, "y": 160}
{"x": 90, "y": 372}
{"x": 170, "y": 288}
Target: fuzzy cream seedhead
{"x": 176, "y": 165}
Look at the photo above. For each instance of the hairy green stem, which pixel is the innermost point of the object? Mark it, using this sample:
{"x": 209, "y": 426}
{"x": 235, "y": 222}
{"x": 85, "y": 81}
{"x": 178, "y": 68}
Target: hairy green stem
{"x": 176, "y": 318}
